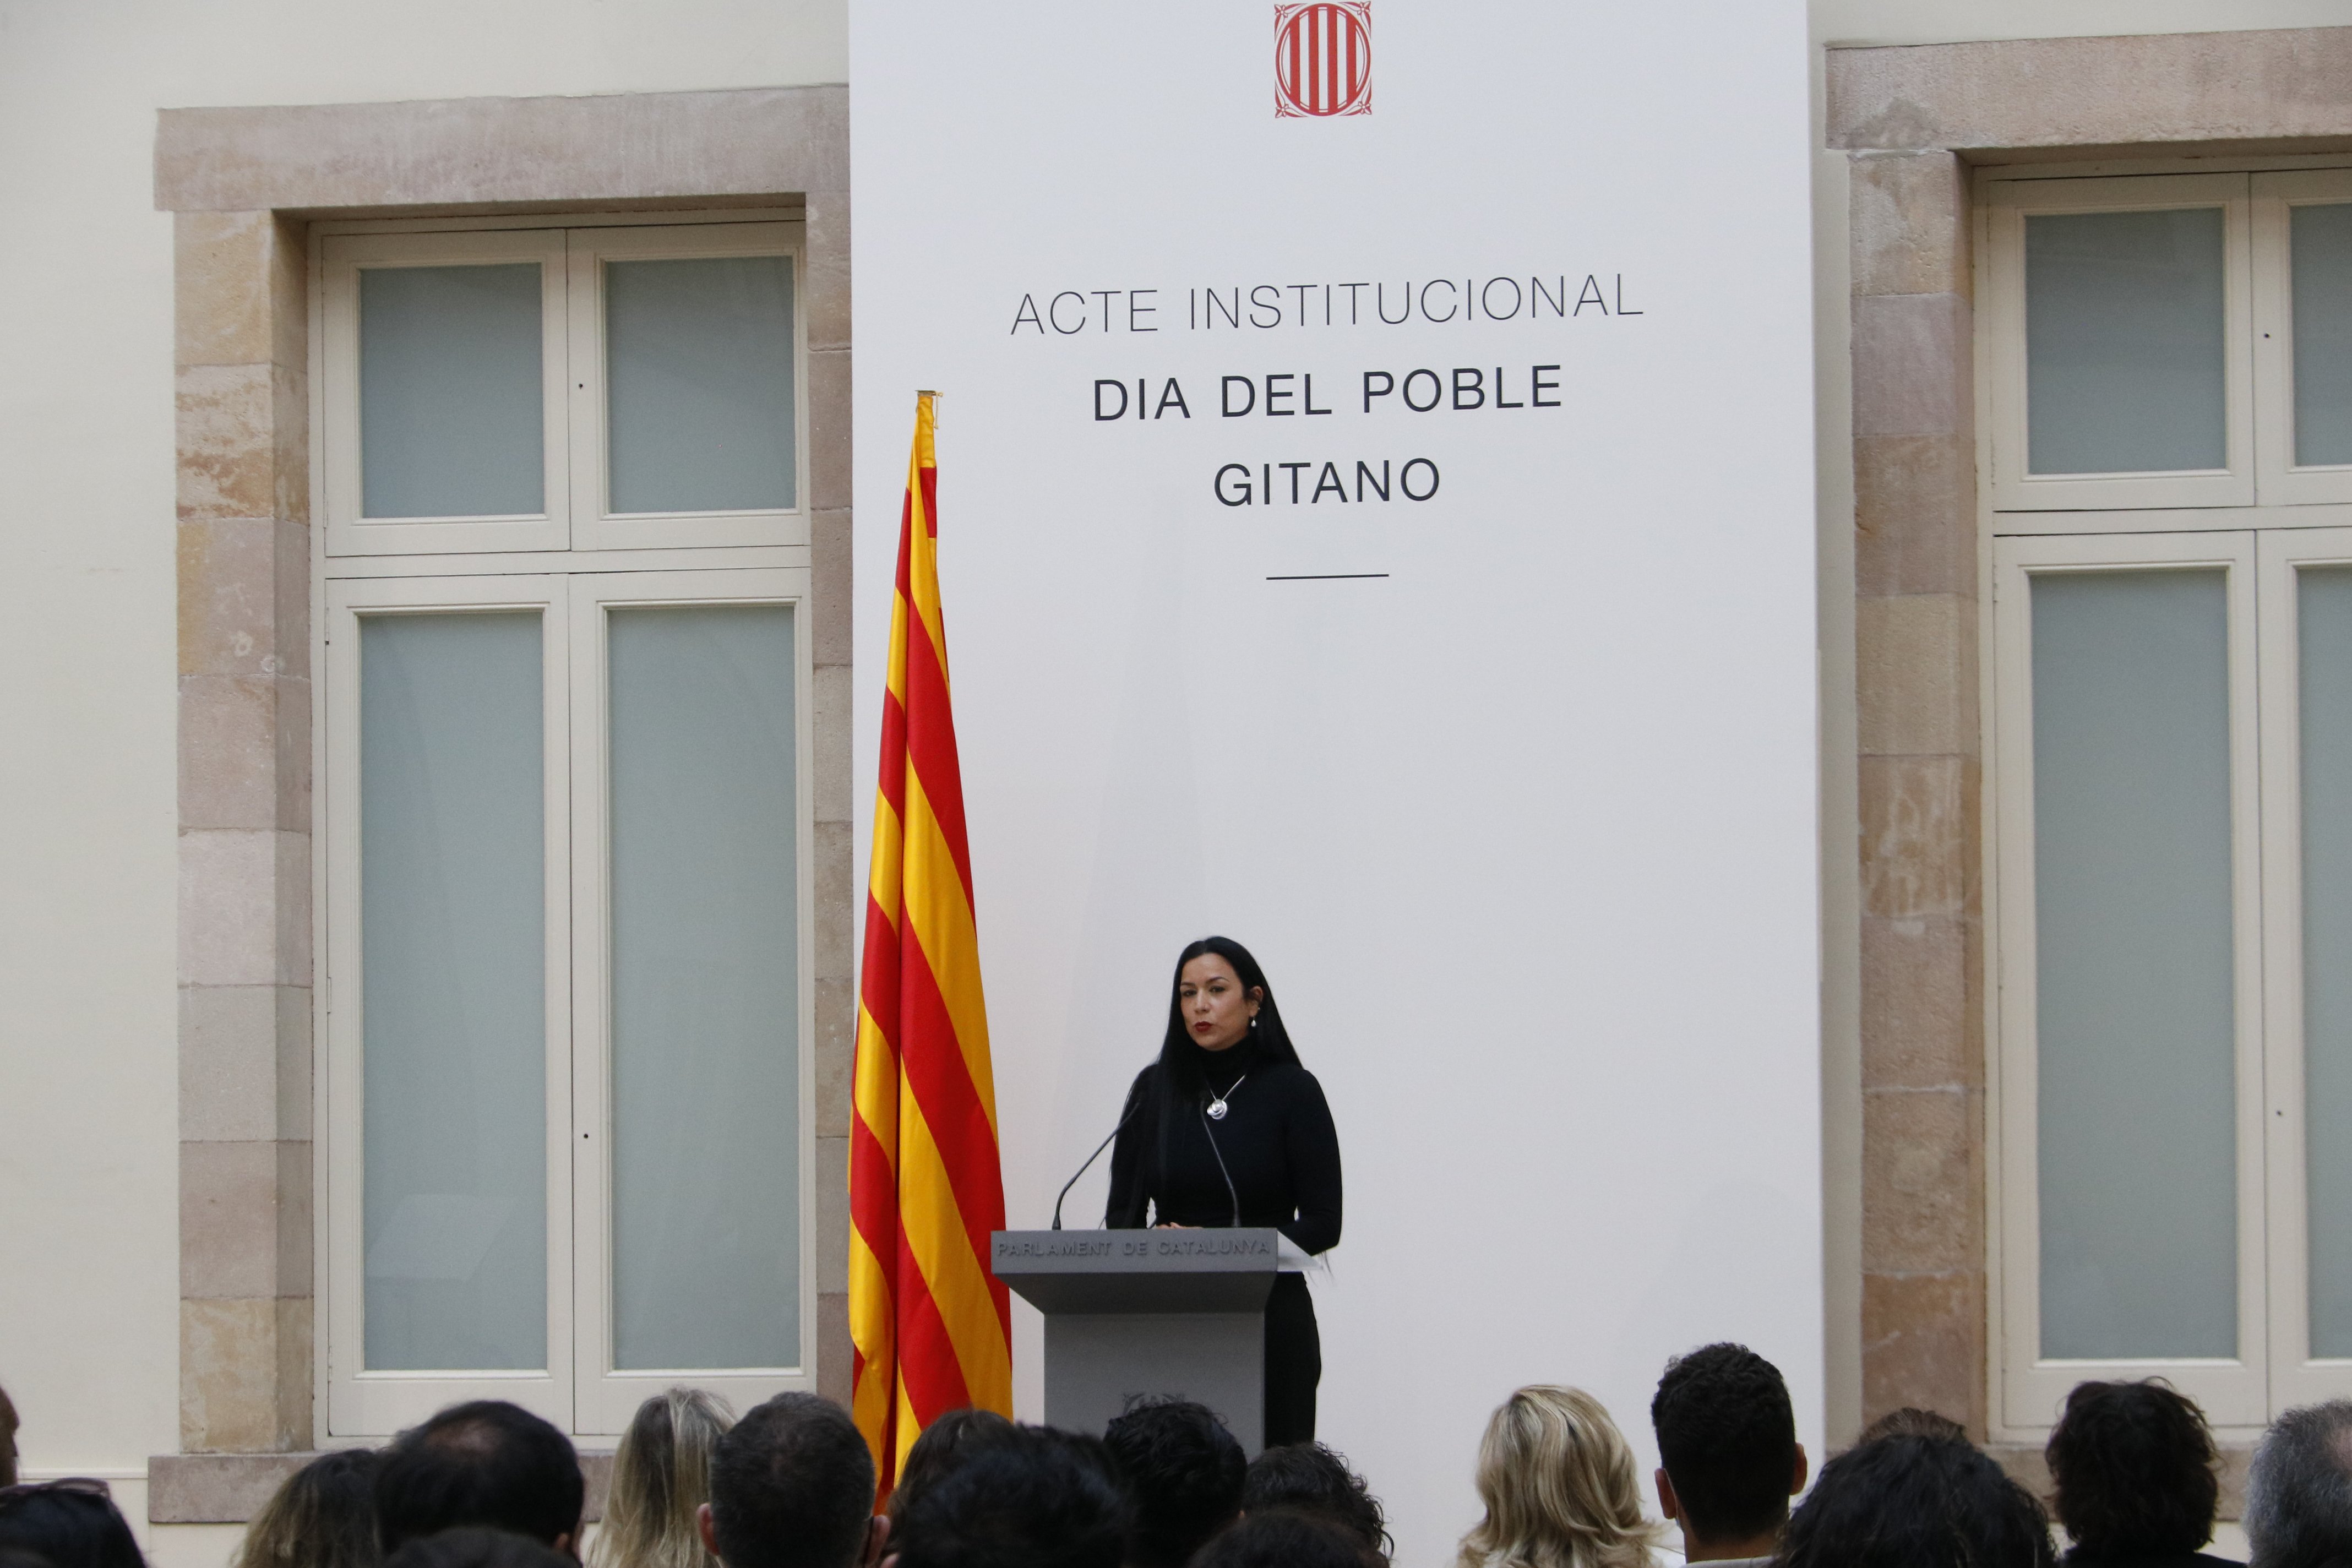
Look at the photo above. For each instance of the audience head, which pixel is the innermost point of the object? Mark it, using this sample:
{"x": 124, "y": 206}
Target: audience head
{"x": 1041, "y": 1498}
{"x": 2133, "y": 1471}
{"x": 2299, "y": 1492}
{"x": 1183, "y": 1473}
{"x": 1728, "y": 1450}
{"x": 1557, "y": 1482}
{"x": 1309, "y": 1478}
{"x": 1913, "y": 1422}
{"x": 473, "y": 1546}
{"x": 323, "y": 1516}
{"x": 8, "y": 1441}
{"x": 792, "y": 1486}
{"x": 485, "y": 1463}
{"x": 661, "y": 1479}
{"x": 1914, "y": 1503}
{"x": 67, "y": 1524}
{"x": 1287, "y": 1538}
{"x": 945, "y": 1444}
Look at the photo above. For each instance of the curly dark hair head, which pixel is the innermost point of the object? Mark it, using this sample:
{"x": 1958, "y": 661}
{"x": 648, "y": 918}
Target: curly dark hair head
{"x": 1287, "y": 1538}
{"x": 1911, "y": 1421}
{"x": 1038, "y": 1499}
{"x": 1916, "y": 1502}
{"x": 1314, "y": 1480}
{"x": 1727, "y": 1439}
{"x": 946, "y": 1443}
{"x": 2135, "y": 1470}
{"x": 1183, "y": 1473}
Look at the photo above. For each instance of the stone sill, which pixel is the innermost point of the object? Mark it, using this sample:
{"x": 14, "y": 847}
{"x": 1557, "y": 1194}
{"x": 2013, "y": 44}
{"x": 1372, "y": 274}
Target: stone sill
{"x": 2026, "y": 1466}
{"x": 230, "y": 1488}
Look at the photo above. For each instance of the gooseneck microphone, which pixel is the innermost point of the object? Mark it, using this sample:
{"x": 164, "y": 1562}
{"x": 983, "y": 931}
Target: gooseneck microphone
{"x": 1134, "y": 1103}
{"x": 1231, "y": 1191}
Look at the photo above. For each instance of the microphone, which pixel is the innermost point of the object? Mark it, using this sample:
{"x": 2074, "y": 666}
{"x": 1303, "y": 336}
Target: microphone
{"x": 1134, "y": 1104}
{"x": 1230, "y": 1190}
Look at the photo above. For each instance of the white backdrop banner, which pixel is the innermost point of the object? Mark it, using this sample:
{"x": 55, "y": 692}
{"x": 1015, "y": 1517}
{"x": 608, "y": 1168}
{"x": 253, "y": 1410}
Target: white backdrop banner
{"x": 1377, "y": 524}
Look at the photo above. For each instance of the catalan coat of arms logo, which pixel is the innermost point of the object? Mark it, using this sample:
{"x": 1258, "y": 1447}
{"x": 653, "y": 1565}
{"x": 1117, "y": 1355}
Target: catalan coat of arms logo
{"x": 1323, "y": 58}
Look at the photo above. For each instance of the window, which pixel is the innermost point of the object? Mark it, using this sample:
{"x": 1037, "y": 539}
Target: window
{"x": 566, "y": 896}
{"x": 2170, "y": 450}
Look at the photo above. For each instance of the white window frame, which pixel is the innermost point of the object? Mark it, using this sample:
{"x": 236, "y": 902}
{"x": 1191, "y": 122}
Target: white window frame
{"x": 2280, "y": 481}
{"x": 2030, "y": 1387}
{"x": 2008, "y": 204}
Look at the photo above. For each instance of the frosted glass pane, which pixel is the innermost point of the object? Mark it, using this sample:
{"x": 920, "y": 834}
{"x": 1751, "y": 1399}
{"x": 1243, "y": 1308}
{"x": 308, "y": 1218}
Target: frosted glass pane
{"x": 2124, "y": 341}
{"x": 2326, "y": 618}
{"x": 452, "y": 895}
{"x": 2322, "y": 268}
{"x": 706, "y": 989}
{"x": 452, "y": 418}
{"x": 698, "y": 375}
{"x": 2134, "y": 964}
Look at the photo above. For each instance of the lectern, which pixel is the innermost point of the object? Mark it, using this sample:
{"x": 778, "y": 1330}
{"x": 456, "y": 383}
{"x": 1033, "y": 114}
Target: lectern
{"x": 1133, "y": 1314}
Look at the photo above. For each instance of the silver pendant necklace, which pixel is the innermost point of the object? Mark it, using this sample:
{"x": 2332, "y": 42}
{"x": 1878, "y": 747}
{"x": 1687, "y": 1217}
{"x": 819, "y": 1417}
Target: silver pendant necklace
{"x": 1217, "y": 1105}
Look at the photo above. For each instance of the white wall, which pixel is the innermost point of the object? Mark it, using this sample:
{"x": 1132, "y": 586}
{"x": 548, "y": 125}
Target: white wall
{"x": 89, "y": 1229}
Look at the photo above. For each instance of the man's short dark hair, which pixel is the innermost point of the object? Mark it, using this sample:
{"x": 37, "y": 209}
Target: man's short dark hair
{"x": 1042, "y": 1500}
{"x": 1900, "y": 1502}
{"x": 946, "y": 1443}
{"x": 792, "y": 1486}
{"x": 1287, "y": 1538}
{"x": 1312, "y": 1479}
{"x": 487, "y": 1463}
{"x": 474, "y": 1547}
{"x": 1910, "y": 1421}
{"x": 2134, "y": 1471}
{"x": 2299, "y": 1490}
{"x": 1727, "y": 1439}
{"x": 1183, "y": 1473}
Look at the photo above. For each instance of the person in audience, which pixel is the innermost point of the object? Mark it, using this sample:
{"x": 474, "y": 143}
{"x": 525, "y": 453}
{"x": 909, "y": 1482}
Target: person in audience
{"x": 1287, "y": 1538}
{"x": 792, "y": 1486}
{"x": 1042, "y": 1500}
{"x": 71, "y": 1523}
{"x": 487, "y": 1463}
{"x": 473, "y": 1546}
{"x": 1557, "y": 1482}
{"x": 1729, "y": 1458}
{"x": 2299, "y": 1492}
{"x": 1310, "y": 1478}
{"x": 943, "y": 1446}
{"x": 2135, "y": 1475}
{"x": 1911, "y": 1502}
{"x": 1183, "y": 1473}
{"x": 321, "y": 1516}
{"x": 8, "y": 1441}
{"x": 661, "y": 1479}
{"x": 1913, "y": 1422}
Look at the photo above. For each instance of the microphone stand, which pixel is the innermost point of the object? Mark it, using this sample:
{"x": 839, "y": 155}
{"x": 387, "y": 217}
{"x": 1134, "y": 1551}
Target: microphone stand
{"x": 1134, "y": 1105}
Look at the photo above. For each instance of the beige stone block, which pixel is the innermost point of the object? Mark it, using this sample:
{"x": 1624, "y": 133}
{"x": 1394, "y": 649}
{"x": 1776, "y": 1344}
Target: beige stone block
{"x": 832, "y": 1215}
{"x": 295, "y": 1368}
{"x": 840, "y": 911}
{"x": 290, "y": 302}
{"x": 229, "y": 1072}
{"x": 836, "y": 1055}
{"x": 295, "y": 1218}
{"x": 1915, "y": 675}
{"x": 829, "y": 560}
{"x": 1918, "y": 836}
{"x": 1909, "y": 223}
{"x": 829, "y": 726}
{"x": 224, "y": 269}
{"x": 1922, "y": 1019}
{"x": 1915, "y": 515}
{"x": 1923, "y": 1345}
{"x": 230, "y": 1397}
{"x": 829, "y": 453}
{"x": 1912, "y": 358}
{"x": 245, "y": 752}
{"x": 229, "y": 1231}
{"x": 216, "y": 1489}
{"x": 596, "y": 1479}
{"x": 228, "y": 909}
{"x": 1922, "y": 1181}
{"x": 294, "y": 1062}
{"x": 244, "y": 586}
{"x": 837, "y": 1352}
{"x": 227, "y": 441}
{"x": 828, "y": 269}
{"x": 289, "y": 392}
{"x": 2095, "y": 92}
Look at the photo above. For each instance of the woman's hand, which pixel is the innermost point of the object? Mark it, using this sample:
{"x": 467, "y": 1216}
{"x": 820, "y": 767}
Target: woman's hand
{"x": 1171, "y": 1225}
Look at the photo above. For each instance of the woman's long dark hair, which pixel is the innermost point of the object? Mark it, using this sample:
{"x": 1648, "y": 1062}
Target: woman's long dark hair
{"x": 1179, "y": 1063}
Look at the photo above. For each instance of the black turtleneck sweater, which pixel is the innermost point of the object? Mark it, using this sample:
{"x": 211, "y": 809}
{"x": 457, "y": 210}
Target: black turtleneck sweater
{"x": 1277, "y": 1138}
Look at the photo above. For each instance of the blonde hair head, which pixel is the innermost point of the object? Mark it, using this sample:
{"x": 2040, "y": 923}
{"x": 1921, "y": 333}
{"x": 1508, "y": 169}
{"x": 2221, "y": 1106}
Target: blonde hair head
{"x": 1559, "y": 1485}
{"x": 661, "y": 1479}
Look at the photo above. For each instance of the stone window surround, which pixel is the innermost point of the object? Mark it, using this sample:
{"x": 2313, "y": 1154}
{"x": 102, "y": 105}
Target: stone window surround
{"x": 243, "y": 185}
{"x": 1913, "y": 122}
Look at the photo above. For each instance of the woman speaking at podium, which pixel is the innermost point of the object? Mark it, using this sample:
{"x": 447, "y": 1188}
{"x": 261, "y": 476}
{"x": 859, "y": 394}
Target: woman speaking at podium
{"x": 1226, "y": 1129}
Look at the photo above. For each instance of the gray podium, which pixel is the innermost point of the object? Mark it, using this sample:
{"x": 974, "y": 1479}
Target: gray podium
{"x": 1132, "y": 1314}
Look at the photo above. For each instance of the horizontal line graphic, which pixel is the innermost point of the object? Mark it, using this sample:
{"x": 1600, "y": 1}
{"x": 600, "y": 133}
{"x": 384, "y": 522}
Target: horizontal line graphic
{"x": 1324, "y": 577}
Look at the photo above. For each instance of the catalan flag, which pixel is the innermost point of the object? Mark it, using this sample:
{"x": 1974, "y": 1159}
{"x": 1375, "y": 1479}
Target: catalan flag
{"x": 932, "y": 1325}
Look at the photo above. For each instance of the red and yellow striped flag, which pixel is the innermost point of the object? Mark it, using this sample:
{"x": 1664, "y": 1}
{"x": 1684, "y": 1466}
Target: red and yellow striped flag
{"x": 932, "y": 1324}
